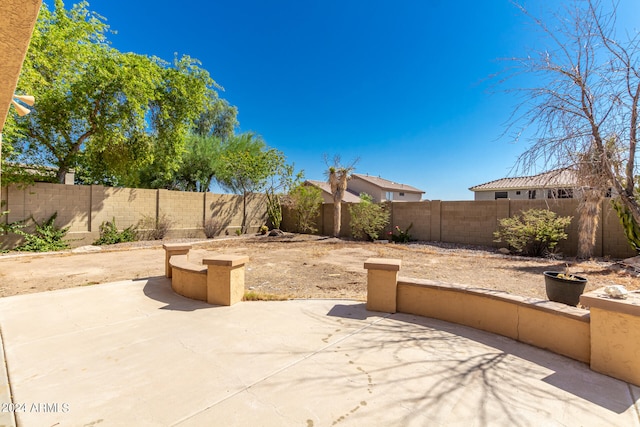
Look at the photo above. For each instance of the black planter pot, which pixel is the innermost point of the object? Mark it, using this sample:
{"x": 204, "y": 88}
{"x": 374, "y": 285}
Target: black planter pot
{"x": 564, "y": 290}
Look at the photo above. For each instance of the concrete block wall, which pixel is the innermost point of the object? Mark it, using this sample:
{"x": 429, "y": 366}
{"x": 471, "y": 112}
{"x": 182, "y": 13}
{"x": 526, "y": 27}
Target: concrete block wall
{"x": 406, "y": 213}
{"x": 464, "y": 222}
{"x": 85, "y": 208}
{"x": 474, "y": 222}
{"x": 184, "y": 211}
{"x": 126, "y": 205}
{"x": 72, "y": 204}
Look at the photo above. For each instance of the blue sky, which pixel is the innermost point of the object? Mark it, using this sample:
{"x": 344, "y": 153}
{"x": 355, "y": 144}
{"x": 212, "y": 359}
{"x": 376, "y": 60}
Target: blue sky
{"x": 403, "y": 86}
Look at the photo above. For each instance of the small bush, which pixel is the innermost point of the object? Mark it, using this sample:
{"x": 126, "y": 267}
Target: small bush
{"x": 306, "y": 200}
{"x": 536, "y": 232}
{"x": 367, "y": 218}
{"x": 46, "y": 236}
{"x": 212, "y": 228}
{"x": 151, "y": 229}
{"x": 110, "y": 235}
{"x": 401, "y": 236}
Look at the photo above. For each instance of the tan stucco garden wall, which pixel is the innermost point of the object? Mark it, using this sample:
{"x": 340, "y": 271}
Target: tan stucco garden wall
{"x": 552, "y": 326}
{"x": 604, "y": 332}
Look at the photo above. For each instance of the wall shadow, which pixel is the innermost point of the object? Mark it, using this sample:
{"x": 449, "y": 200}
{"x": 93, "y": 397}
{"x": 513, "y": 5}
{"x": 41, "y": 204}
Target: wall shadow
{"x": 159, "y": 289}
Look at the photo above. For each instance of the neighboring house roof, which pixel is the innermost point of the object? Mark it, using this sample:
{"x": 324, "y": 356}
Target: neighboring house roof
{"x": 387, "y": 185}
{"x": 348, "y": 197}
{"x": 557, "y": 178}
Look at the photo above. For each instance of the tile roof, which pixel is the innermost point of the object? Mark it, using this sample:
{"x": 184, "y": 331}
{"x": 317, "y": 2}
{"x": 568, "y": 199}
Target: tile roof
{"x": 387, "y": 185}
{"x": 554, "y": 178}
{"x": 348, "y": 197}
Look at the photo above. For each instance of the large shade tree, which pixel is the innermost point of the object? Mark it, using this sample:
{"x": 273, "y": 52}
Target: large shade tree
{"x": 583, "y": 103}
{"x": 210, "y": 137}
{"x": 112, "y": 114}
{"x": 246, "y": 167}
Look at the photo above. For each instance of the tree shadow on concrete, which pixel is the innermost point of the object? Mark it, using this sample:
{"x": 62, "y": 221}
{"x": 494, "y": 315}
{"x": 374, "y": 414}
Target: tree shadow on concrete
{"x": 455, "y": 357}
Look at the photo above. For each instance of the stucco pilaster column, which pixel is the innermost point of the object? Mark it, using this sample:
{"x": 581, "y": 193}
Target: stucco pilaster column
{"x": 382, "y": 282}
{"x": 615, "y": 335}
{"x": 171, "y": 249}
{"x": 225, "y": 278}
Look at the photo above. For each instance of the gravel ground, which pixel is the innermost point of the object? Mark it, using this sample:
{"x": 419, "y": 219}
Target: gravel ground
{"x": 303, "y": 266}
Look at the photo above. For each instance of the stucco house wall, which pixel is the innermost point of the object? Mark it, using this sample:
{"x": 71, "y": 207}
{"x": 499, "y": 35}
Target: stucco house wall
{"x": 555, "y": 184}
{"x": 516, "y": 194}
{"x": 357, "y": 185}
{"x": 382, "y": 190}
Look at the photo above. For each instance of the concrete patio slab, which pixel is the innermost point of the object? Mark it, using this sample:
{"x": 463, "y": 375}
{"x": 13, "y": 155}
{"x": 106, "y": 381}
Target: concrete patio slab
{"x": 135, "y": 353}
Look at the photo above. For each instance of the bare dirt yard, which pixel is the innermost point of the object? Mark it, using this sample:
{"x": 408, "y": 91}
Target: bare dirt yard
{"x": 303, "y": 266}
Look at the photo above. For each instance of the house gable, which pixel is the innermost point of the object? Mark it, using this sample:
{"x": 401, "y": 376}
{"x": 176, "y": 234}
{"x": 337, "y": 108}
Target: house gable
{"x": 381, "y": 189}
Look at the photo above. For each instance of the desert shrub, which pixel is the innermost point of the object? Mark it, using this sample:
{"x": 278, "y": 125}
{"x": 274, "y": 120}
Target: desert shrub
{"x": 45, "y": 237}
{"x": 367, "y": 218}
{"x": 150, "y": 228}
{"x": 212, "y": 228}
{"x": 305, "y": 200}
{"x": 535, "y": 232}
{"x": 401, "y": 236}
{"x": 110, "y": 235}
{"x": 629, "y": 226}
{"x": 274, "y": 209}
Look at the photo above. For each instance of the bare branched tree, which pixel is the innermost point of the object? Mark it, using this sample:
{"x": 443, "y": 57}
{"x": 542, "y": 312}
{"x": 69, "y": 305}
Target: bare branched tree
{"x": 583, "y": 109}
{"x": 338, "y": 176}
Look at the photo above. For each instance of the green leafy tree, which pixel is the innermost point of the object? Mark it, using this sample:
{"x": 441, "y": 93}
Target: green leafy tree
{"x": 367, "y": 218}
{"x": 247, "y": 170}
{"x": 120, "y": 117}
{"x": 219, "y": 119}
{"x": 183, "y": 96}
{"x": 200, "y": 161}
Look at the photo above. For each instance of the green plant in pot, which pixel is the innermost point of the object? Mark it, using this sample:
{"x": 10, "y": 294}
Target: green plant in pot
{"x": 564, "y": 287}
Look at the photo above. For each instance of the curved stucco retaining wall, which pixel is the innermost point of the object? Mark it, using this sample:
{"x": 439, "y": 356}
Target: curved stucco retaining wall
{"x": 188, "y": 279}
{"x": 552, "y": 326}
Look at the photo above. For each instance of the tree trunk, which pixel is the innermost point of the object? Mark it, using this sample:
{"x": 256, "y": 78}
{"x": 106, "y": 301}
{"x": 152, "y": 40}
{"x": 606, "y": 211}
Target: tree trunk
{"x": 61, "y": 174}
{"x": 243, "y": 227}
{"x": 589, "y": 217}
{"x": 337, "y": 217}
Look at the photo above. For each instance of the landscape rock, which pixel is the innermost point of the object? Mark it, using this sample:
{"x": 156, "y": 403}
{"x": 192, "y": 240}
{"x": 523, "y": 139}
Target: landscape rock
{"x": 276, "y": 233}
{"x": 86, "y": 249}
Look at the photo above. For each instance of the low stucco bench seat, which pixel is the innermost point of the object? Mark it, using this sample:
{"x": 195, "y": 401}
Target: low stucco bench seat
{"x": 188, "y": 279}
